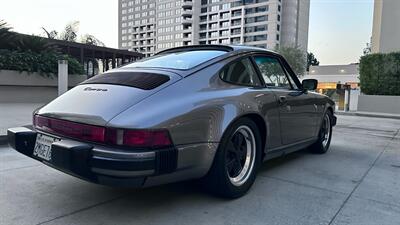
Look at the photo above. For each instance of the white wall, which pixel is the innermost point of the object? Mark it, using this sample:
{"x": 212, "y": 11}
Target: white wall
{"x": 354, "y": 100}
{"x": 16, "y": 87}
{"x": 379, "y": 103}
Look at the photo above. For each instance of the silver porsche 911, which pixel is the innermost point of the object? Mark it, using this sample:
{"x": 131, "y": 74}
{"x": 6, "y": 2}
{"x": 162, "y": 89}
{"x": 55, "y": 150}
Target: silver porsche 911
{"x": 212, "y": 112}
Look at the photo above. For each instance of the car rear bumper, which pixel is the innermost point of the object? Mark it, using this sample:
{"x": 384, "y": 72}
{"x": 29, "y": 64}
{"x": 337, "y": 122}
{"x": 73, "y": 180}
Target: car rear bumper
{"x": 116, "y": 167}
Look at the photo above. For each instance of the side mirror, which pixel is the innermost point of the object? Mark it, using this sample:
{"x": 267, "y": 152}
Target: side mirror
{"x": 309, "y": 84}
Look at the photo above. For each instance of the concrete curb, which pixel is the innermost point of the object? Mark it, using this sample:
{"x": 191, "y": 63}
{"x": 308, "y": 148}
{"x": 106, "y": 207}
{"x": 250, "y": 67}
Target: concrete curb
{"x": 368, "y": 114}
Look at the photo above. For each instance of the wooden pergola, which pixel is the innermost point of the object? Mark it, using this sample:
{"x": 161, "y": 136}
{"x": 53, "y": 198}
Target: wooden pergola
{"x": 90, "y": 55}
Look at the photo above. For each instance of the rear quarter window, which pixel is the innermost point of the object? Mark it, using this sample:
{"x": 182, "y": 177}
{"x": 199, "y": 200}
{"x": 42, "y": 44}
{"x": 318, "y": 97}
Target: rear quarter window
{"x": 240, "y": 72}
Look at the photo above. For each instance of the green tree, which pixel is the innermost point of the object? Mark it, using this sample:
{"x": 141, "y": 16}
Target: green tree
{"x": 295, "y": 57}
{"x": 21, "y": 42}
{"x": 31, "y": 53}
{"x": 311, "y": 60}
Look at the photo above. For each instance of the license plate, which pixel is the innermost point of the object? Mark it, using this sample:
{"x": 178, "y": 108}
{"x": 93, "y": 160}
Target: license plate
{"x": 42, "y": 148}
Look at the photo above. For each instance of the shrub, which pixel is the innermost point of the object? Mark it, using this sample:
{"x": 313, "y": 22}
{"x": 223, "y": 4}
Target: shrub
{"x": 380, "y": 74}
{"x": 45, "y": 63}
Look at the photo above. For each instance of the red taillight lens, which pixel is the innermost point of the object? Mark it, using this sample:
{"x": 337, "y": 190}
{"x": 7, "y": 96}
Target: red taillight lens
{"x": 132, "y": 138}
{"x": 70, "y": 129}
{"x": 145, "y": 138}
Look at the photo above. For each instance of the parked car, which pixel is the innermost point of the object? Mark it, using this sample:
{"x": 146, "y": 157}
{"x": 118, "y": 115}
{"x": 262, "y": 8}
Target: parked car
{"x": 212, "y": 112}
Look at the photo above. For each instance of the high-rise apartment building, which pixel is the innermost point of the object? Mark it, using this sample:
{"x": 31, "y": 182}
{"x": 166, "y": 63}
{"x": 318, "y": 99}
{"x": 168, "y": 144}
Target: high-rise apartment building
{"x": 386, "y": 28}
{"x": 148, "y": 26}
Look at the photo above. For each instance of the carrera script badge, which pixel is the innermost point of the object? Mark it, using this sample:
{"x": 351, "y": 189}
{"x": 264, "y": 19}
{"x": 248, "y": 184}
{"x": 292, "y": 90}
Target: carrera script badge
{"x": 94, "y": 89}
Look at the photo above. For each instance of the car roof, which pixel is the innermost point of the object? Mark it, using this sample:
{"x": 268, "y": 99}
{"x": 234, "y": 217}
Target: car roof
{"x": 228, "y": 48}
{"x": 231, "y": 50}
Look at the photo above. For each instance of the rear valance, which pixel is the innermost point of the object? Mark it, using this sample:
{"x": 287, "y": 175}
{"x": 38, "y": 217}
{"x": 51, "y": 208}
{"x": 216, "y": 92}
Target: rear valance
{"x": 141, "y": 80}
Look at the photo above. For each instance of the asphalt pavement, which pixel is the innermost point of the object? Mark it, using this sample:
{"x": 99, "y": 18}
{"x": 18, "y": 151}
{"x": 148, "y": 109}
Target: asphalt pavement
{"x": 356, "y": 182}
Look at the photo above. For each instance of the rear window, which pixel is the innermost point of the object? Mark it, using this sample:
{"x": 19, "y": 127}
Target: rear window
{"x": 145, "y": 81}
{"x": 178, "y": 60}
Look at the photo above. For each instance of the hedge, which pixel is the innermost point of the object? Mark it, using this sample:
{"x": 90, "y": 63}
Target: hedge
{"x": 380, "y": 74}
{"x": 45, "y": 63}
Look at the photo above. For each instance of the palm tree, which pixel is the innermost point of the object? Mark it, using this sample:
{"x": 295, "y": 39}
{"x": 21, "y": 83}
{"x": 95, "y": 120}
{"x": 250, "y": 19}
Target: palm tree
{"x": 50, "y": 34}
{"x": 91, "y": 40}
{"x": 70, "y": 32}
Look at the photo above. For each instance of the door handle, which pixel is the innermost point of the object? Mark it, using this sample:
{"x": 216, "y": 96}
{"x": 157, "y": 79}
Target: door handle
{"x": 282, "y": 100}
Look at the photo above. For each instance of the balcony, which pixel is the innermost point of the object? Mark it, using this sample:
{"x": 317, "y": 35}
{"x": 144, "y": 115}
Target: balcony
{"x": 187, "y": 36}
{"x": 187, "y": 4}
{"x": 187, "y": 21}
{"x": 187, "y": 12}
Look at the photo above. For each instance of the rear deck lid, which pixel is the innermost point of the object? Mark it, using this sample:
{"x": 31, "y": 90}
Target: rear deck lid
{"x": 97, "y": 100}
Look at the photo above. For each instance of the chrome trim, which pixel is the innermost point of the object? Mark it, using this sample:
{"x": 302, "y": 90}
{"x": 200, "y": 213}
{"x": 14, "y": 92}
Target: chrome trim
{"x": 114, "y": 154}
{"x": 120, "y": 173}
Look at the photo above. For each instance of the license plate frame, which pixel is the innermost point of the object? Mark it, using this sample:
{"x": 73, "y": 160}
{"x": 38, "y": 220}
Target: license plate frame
{"x": 43, "y": 144}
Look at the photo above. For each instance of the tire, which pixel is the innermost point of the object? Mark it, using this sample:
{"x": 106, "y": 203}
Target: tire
{"x": 234, "y": 152}
{"x": 324, "y": 135}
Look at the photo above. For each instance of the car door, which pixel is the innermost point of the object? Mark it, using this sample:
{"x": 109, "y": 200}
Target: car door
{"x": 297, "y": 112}
{"x": 243, "y": 72}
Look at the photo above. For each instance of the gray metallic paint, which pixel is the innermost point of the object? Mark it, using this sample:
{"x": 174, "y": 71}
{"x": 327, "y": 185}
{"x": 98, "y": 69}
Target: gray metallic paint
{"x": 99, "y": 107}
{"x": 196, "y": 106}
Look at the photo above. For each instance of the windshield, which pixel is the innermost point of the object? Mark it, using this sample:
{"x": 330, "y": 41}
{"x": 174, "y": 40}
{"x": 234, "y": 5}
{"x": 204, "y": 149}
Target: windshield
{"x": 178, "y": 60}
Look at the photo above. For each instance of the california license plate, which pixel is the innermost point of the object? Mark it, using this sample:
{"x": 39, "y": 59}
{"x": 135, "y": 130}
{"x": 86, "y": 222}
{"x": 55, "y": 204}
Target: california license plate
{"x": 42, "y": 148}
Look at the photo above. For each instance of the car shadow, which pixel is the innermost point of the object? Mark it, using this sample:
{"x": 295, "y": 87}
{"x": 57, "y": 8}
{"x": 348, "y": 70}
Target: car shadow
{"x": 194, "y": 188}
{"x": 284, "y": 159}
{"x": 181, "y": 190}
{"x": 128, "y": 203}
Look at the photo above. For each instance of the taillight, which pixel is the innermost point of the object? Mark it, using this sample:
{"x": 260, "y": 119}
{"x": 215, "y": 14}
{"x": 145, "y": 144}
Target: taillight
{"x": 123, "y": 137}
{"x": 146, "y": 138}
{"x": 70, "y": 129}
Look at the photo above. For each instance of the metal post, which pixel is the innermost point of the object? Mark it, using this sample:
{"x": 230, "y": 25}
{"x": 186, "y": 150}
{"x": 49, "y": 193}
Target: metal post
{"x": 62, "y": 76}
{"x": 113, "y": 61}
{"x": 347, "y": 98}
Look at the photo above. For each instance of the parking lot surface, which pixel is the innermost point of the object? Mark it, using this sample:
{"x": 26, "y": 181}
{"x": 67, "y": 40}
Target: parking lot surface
{"x": 356, "y": 182}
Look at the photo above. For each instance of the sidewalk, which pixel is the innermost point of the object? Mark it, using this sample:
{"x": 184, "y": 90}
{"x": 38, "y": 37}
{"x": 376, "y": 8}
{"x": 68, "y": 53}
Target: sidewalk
{"x": 369, "y": 114}
{"x": 14, "y": 115}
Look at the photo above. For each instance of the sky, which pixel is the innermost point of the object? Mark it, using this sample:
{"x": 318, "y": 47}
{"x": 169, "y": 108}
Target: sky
{"x": 338, "y": 32}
